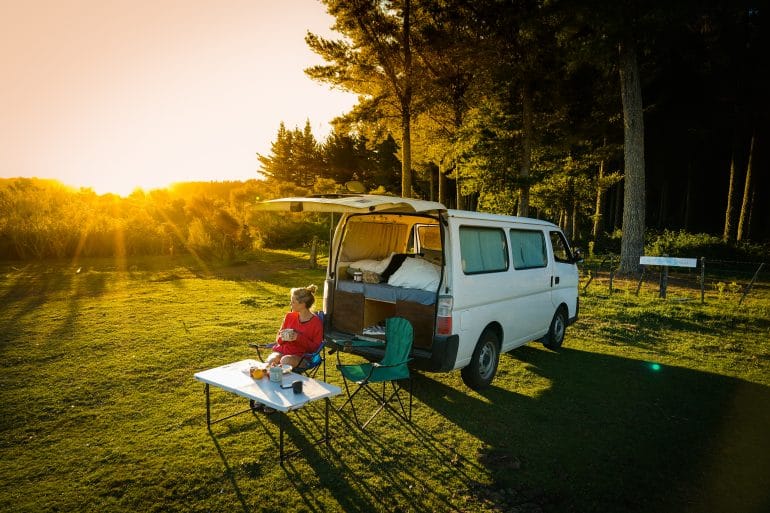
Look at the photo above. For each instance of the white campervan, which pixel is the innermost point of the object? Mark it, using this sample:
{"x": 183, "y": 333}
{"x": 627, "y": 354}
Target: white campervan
{"x": 473, "y": 285}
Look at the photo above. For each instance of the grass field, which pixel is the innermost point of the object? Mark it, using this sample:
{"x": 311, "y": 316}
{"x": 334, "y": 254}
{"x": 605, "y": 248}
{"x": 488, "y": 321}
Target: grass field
{"x": 652, "y": 406}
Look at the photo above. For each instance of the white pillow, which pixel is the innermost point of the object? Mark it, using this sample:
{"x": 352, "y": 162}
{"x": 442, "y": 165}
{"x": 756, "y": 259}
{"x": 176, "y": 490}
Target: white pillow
{"x": 416, "y": 273}
{"x": 375, "y": 266}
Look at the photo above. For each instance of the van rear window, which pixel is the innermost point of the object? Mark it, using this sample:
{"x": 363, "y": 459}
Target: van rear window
{"x": 483, "y": 250}
{"x": 528, "y": 248}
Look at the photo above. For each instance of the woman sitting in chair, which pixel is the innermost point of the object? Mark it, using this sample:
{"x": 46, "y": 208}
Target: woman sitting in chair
{"x": 301, "y": 331}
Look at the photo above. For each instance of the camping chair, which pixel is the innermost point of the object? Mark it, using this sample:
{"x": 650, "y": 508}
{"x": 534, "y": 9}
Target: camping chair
{"x": 393, "y": 367}
{"x": 310, "y": 362}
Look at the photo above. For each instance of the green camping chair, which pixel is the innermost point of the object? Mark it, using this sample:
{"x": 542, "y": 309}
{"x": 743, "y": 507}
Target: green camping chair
{"x": 393, "y": 367}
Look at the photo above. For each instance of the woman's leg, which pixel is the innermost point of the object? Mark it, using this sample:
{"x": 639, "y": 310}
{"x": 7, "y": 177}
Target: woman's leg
{"x": 291, "y": 359}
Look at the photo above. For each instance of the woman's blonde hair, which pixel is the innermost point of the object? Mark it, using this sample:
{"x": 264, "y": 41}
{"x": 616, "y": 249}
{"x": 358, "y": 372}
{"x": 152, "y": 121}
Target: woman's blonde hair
{"x": 305, "y": 295}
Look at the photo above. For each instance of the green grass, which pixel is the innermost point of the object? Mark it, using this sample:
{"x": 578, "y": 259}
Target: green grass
{"x": 101, "y": 412}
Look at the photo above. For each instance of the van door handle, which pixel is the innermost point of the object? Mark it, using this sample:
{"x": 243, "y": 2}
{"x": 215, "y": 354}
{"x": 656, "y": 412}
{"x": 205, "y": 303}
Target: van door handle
{"x": 555, "y": 280}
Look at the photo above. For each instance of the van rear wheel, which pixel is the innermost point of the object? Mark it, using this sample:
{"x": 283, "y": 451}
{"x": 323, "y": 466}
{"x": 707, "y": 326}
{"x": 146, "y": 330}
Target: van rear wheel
{"x": 483, "y": 366}
{"x": 555, "y": 336}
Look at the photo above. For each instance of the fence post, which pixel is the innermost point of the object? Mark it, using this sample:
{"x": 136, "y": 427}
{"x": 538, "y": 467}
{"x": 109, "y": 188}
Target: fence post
{"x": 612, "y": 272}
{"x": 314, "y": 253}
{"x": 641, "y": 278}
{"x": 748, "y": 287}
{"x": 702, "y": 280}
{"x": 590, "y": 277}
{"x": 663, "y": 281}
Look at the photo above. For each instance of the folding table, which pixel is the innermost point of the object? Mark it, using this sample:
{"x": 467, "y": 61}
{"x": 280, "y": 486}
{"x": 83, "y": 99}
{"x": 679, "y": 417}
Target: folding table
{"x": 235, "y": 378}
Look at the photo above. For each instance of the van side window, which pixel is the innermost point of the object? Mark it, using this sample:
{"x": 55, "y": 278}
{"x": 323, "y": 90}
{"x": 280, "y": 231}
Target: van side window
{"x": 483, "y": 250}
{"x": 529, "y": 250}
{"x": 561, "y": 252}
{"x": 429, "y": 236}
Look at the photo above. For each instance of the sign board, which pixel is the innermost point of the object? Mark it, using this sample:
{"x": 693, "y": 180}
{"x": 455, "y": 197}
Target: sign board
{"x": 669, "y": 261}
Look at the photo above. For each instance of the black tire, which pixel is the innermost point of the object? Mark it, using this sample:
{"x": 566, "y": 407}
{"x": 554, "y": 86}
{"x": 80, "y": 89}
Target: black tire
{"x": 483, "y": 366}
{"x": 555, "y": 336}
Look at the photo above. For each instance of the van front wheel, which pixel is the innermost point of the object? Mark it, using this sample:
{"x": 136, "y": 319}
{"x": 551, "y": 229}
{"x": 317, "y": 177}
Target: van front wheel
{"x": 483, "y": 366}
{"x": 555, "y": 336}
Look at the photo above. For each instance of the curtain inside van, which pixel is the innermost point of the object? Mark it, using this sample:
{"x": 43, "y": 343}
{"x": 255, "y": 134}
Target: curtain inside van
{"x": 528, "y": 248}
{"x": 483, "y": 249}
{"x": 373, "y": 241}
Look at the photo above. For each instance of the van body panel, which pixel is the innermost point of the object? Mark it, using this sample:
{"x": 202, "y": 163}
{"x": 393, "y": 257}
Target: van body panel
{"x": 565, "y": 276}
{"x": 506, "y": 274}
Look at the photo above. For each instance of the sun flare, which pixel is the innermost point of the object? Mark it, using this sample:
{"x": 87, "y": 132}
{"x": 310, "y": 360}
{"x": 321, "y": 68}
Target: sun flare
{"x": 125, "y": 185}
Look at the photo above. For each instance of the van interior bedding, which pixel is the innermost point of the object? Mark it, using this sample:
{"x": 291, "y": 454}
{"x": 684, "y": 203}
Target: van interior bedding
{"x": 396, "y": 280}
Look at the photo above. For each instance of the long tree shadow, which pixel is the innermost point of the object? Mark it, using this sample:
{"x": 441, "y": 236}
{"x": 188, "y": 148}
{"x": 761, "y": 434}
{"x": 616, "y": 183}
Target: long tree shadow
{"x": 371, "y": 471}
{"x": 364, "y": 471}
{"x": 610, "y": 434}
{"x": 29, "y": 288}
{"x": 615, "y": 433}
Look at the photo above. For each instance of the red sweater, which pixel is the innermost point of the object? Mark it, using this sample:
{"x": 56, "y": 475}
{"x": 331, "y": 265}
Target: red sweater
{"x": 309, "y": 335}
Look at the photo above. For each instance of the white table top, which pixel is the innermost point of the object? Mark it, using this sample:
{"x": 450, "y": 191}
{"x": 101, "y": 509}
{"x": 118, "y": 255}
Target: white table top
{"x": 235, "y": 378}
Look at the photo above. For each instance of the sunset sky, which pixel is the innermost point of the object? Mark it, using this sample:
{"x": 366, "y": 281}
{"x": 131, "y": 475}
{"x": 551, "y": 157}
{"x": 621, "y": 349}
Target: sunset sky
{"x": 118, "y": 94}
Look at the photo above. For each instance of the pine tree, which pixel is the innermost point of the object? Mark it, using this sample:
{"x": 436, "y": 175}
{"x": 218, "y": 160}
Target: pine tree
{"x": 374, "y": 61}
{"x": 279, "y": 165}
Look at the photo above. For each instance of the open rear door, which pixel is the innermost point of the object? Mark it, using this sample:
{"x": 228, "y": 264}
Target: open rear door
{"x": 351, "y": 203}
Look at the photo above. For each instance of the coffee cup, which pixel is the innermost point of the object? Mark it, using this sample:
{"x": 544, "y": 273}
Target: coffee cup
{"x": 276, "y": 374}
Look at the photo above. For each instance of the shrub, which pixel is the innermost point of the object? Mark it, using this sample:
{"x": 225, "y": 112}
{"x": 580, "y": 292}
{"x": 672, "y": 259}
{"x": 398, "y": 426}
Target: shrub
{"x": 696, "y": 245}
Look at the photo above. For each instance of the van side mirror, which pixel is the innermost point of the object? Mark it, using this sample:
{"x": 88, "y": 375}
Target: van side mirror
{"x": 577, "y": 256}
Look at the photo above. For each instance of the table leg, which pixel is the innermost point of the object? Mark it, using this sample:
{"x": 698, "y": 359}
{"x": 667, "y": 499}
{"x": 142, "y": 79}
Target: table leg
{"x": 280, "y": 438}
{"x": 208, "y": 408}
{"x": 326, "y": 421}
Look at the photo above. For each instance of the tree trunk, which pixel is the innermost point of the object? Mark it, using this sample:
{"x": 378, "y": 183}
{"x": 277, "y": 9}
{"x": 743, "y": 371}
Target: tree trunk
{"x": 662, "y": 204}
{"x": 727, "y": 233}
{"x": 687, "y": 199}
{"x": 598, "y": 210}
{"x": 617, "y": 216}
{"x": 526, "y": 160}
{"x": 743, "y": 218}
{"x": 442, "y": 185}
{"x": 575, "y": 221}
{"x": 406, "y": 109}
{"x": 632, "y": 242}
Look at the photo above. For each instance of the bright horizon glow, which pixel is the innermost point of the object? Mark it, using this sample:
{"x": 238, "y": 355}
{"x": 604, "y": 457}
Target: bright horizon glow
{"x": 116, "y": 96}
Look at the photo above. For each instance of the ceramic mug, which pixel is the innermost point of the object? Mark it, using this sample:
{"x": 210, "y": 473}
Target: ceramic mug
{"x": 276, "y": 374}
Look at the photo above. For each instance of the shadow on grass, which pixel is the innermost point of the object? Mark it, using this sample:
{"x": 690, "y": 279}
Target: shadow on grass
{"x": 374, "y": 471}
{"x": 364, "y": 471}
{"x": 32, "y": 286}
{"x": 612, "y": 434}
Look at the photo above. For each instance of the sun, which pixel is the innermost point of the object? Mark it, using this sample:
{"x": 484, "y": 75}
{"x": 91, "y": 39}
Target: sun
{"x": 124, "y": 186}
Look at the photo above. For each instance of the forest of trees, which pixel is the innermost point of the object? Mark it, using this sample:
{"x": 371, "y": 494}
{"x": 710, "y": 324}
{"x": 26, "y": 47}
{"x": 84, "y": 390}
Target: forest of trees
{"x": 608, "y": 118}
{"x": 42, "y": 219}
{"x": 596, "y": 115}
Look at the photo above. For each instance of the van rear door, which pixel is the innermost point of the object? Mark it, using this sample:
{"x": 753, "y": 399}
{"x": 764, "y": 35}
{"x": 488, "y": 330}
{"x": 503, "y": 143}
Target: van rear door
{"x": 350, "y": 203}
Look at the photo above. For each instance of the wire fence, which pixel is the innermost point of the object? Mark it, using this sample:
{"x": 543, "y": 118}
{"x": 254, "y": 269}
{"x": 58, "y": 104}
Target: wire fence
{"x": 710, "y": 278}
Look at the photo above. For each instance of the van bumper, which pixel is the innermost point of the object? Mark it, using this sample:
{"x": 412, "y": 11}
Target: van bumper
{"x": 441, "y": 357}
